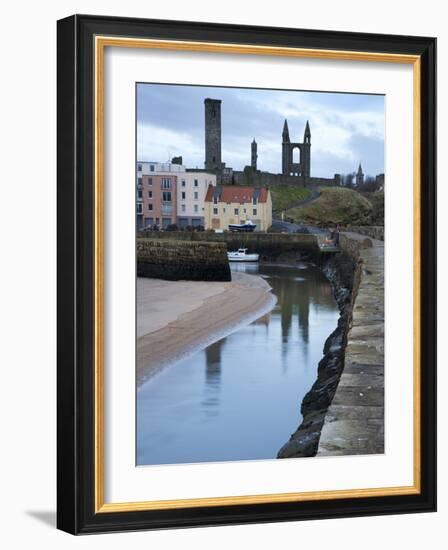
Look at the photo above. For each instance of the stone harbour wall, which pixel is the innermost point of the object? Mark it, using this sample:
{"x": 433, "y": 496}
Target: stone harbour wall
{"x": 269, "y": 245}
{"x": 373, "y": 231}
{"x": 347, "y": 398}
{"x": 175, "y": 260}
{"x": 354, "y": 422}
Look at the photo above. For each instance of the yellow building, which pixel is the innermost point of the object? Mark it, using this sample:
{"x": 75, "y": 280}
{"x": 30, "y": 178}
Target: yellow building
{"x": 227, "y": 204}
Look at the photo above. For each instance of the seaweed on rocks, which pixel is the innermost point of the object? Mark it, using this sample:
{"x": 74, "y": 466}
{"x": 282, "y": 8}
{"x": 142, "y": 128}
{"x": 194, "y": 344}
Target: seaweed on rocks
{"x": 343, "y": 273}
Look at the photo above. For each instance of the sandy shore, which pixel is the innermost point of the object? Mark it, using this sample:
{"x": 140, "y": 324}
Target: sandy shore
{"x": 177, "y": 318}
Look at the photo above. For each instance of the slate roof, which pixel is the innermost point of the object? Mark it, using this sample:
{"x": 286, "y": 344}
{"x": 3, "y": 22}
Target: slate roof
{"x": 236, "y": 193}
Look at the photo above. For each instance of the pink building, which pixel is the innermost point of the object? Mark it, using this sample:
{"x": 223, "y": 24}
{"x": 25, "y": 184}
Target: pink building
{"x": 159, "y": 205}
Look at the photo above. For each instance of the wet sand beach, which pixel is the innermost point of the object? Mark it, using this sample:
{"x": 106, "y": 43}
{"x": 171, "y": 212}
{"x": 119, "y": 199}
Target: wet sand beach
{"x": 176, "y": 318}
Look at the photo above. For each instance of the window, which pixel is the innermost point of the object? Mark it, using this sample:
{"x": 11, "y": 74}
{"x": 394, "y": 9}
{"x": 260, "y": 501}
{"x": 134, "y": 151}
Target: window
{"x": 254, "y": 200}
{"x": 139, "y": 181}
{"x": 166, "y": 196}
{"x": 183, "y": 195}
{"x": 149, "y": 181}
{"x": 151, "y": 167}
{"x": 183, "y": 208}
{"x": 139, "y": 209}
{"x": 254, "y": 212}
{"x": 244, "y": 210}
{"x": 149, "y": 207}
{"x": 236, "y": 211}
{"x": 215, "y": 200}
{"x": 139, "y": 194}
{"x": 196, "y": 183}
{"x": 196, "y": 195}
{"x": 139, "y": 167}
{"x": 166, "y": 183}
{"x": 215, "y": 210}
{"x": 149, "y": 194}
{"x": 195, "y": 207}
{"x": 183, "y": 183}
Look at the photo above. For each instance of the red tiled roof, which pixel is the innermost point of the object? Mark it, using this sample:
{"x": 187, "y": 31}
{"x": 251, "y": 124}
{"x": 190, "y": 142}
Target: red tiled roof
{"x": 236, "y": 193}
{"x": 209, "y": 194}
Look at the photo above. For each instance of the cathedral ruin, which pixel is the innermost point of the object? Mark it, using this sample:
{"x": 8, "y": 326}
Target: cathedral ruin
{"x": 296, "y": 157}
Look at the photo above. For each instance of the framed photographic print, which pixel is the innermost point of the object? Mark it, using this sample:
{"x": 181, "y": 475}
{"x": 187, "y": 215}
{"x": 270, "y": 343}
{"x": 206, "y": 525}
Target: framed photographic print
{"x": 246, "y": 274}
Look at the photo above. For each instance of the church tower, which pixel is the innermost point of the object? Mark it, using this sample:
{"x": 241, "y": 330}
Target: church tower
{"x": 359, "y": 176}
{"x": 302, "y": 167}
{"x": 212, "y": 134}
{"x": 254, "y": 155}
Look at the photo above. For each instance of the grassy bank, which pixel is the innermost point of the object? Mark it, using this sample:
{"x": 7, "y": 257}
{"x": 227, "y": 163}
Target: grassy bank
{"x": 343, "y": 206}
{"x": 283, "y": 196}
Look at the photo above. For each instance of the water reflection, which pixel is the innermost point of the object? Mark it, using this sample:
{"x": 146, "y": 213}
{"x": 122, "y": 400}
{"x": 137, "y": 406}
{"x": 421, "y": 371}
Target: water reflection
{"x": 240, "y": 397}
{"x": 212, "y": 386}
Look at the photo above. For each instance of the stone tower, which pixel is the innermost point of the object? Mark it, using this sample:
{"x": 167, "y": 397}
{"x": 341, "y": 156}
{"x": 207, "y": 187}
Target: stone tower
{"x": 213, "y": 134}
{"x": 306, "y": 151}
{"x": 303, "y": 167}
{"x": 254, "y": 155}
{"x": 359, "y": 176}
{"x": 285, "y": 149}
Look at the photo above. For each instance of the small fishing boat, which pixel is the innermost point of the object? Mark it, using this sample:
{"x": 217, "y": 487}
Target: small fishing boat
{"x": 241, "y": 255}
{"x": 244, "y": 227}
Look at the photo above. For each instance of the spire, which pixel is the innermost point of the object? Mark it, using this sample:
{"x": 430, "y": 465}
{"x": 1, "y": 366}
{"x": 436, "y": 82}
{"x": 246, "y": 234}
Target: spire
{"x": 285, "y": 133}
{"x": 359, "y": 176}
{"x": 254, "y": 141}
{"x": 307, "y": 134}
{"x": 307, "y": 130}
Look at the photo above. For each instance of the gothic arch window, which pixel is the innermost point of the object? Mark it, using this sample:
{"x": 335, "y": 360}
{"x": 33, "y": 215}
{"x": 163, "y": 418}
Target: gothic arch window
{"x": 296, "y": 154}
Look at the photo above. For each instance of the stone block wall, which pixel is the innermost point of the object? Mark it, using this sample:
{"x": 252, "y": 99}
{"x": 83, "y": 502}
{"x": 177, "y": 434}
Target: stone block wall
{"x": 354, "y": 423}
{"x": 251, "y": 177}
{"x": 372, "y": 231}
{"x": 175, "y": 260}
{"x": 269, "y": 245}
{"x": 348, "y": 417}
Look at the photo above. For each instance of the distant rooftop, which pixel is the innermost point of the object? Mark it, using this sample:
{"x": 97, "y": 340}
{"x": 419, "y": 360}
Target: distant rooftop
{"x": 236, "y": 193}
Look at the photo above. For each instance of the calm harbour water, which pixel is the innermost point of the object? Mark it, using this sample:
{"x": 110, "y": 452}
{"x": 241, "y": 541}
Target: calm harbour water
{"x": 239, "y": 398}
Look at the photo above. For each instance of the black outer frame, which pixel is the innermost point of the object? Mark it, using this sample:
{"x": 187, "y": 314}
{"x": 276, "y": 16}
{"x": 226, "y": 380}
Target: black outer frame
{"x": 75, "y": 309}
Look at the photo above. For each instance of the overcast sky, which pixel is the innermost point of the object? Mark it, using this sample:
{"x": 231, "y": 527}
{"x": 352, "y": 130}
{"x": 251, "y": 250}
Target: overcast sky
{"x": 346, "y": 129}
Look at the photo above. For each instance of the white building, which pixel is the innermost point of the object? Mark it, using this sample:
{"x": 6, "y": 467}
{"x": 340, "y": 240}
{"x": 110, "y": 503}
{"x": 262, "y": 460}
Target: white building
{"x": 145, "y": 168}
{"x": 191, "y": 190}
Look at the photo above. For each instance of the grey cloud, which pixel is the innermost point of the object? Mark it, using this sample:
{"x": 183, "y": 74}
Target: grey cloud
{"x": 258, "y": 113}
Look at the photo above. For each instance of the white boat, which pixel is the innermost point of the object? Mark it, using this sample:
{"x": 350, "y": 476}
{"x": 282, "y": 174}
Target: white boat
{"x": 241, "y": 255}
{"x": 246, "y": 226}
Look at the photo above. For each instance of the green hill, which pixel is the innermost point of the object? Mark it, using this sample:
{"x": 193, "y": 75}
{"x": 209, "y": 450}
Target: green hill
{"x": 338, "y": 205}
{"x": 283, "y": 196}
{"x": 377, "y": 201}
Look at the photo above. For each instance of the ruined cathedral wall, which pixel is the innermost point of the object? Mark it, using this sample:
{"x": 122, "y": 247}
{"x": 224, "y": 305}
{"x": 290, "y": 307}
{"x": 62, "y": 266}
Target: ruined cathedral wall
{"x": 248, "y": 177}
